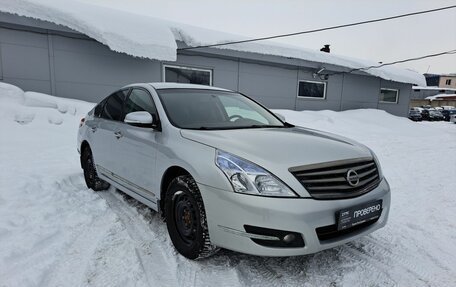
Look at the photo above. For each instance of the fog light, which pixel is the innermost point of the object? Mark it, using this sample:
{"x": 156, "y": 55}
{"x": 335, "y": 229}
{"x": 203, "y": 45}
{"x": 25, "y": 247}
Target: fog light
{"x": 285, "y": 239}
{"x": 289, "y": 238}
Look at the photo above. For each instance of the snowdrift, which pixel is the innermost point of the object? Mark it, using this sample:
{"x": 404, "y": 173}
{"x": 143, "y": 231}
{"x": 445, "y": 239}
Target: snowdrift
{"x": 25, "y": 107}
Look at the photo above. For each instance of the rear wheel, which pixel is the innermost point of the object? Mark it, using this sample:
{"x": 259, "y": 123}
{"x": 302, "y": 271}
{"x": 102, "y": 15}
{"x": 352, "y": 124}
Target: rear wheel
{"x": 186, "y": 219}
{"x": 90, "y": 173}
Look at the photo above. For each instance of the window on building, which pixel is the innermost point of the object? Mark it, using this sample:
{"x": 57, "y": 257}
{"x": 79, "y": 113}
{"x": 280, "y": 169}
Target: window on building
{"x": 389, "y": 96}
{"x": 448, "y": 82}
{"x": 311, "y": 89}
{"x": 180, "y": 74}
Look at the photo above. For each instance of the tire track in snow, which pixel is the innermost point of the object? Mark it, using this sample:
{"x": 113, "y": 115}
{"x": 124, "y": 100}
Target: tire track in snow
{"x": 161, "y": 263}
{"x": 80, "y": 249}
{"x": 157, "y": 265}
{"x": 378, "y": 257}
{"x": 213, "y": 271}
{"x": 375, "y": 269}
{"x": 257, "y": 271}
{"x": 61, "y": 253}
{"x": 406, "y": 260}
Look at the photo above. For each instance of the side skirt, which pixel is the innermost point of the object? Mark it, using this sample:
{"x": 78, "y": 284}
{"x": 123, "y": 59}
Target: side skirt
{"x": 127, "y": 187}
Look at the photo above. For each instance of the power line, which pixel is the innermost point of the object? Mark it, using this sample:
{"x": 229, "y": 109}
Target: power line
{"x": 320, "y": 29}
{"x": 406, "y": 60}
{"x": 393, "y": 63}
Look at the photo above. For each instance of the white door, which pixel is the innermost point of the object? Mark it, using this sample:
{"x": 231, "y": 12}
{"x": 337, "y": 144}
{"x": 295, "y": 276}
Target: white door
{"x": 135, "y": 148}
{"x": 103, "y": 132}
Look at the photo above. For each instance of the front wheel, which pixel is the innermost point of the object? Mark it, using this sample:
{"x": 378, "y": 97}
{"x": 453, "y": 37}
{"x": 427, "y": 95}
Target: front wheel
{"x": 90, "y": 173}
{"x": 186, "y": 219}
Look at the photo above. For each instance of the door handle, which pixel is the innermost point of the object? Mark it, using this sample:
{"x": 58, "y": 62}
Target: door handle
{"x": 118, "y": 135}
{"x": 94, "y": 129}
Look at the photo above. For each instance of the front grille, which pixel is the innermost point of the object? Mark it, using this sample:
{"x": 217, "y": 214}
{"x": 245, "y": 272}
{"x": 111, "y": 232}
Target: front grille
{"x": 329, "y": 180}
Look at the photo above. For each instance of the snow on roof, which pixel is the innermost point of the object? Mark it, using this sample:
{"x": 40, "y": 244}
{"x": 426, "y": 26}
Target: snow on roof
{"x": 433, "y": 88}
{"x": 148, "y": 37}
{"x": 440, "y": 96}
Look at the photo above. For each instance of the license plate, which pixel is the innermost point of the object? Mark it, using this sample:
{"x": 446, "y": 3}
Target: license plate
{"x": 359, "y": 214}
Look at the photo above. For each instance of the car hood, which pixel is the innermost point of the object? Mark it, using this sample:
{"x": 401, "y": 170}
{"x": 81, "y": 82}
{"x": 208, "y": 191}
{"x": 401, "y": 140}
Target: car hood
{"x": 278, "y": 149}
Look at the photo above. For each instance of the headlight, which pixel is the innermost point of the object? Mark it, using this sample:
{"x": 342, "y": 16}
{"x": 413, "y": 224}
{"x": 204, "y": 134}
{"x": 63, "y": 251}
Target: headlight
{"x": 249, "y": 178}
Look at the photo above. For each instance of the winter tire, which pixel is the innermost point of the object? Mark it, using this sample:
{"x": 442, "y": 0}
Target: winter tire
{"x": 186, "y": 219}
{"x": 90, "y": 173}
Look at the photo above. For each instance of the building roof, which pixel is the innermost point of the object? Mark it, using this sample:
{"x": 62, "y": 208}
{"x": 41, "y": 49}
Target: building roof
{"x": 435, "y": 88}
{"x": 440, "y": 75}
{"x": 148, "y": 37}
{"x": 441, "y": 97}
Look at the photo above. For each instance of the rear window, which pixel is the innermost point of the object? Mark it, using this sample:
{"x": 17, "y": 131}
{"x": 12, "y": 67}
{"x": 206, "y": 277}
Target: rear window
{"x": 112, "y": 110}
{"x": 99, "y": 109}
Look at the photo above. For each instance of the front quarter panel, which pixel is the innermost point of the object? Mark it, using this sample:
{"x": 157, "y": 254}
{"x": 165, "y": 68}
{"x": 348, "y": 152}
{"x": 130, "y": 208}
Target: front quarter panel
{"x": 198, "y": 159}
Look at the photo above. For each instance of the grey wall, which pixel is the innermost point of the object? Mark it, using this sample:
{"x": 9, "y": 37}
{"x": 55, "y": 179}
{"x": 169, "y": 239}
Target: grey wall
{"x": 25, "y": 60}
{"x": 274, "y": 87}
{"x": 72, "y": 65}
{"x": 88, "y": 70}
{"x": 70, "y": 68}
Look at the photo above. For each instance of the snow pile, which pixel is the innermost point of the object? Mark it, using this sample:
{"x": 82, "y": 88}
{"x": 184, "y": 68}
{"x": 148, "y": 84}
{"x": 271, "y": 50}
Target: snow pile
{"x": 148, "y": 37}
{"x": 440, "y": 97}
{"x": 11, "y": 93}
{"x": 24, "y": 107}
{"x": 56, "y": 232}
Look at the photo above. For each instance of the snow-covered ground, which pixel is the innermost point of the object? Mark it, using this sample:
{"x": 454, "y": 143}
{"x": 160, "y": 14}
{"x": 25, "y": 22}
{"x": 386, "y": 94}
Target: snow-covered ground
{"x": 56, "y": 232}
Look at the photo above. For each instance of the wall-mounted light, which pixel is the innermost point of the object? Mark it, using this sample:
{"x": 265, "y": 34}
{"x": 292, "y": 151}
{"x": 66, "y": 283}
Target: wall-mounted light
{"x": 320, "y": 75}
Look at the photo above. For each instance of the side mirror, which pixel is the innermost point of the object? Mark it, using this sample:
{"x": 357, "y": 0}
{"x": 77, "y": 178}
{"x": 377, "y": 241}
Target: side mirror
{"x": 142, "y": 119}
{"x": 281, "y": 117}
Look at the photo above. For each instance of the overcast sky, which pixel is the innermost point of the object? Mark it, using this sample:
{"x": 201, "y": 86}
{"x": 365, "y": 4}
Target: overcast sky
{"x": 384, "y": 41}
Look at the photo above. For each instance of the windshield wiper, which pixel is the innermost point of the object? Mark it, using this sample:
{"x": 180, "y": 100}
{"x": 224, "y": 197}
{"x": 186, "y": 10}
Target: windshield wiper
{"x": 205, "y": 128}
{"x": 262, "y": 126}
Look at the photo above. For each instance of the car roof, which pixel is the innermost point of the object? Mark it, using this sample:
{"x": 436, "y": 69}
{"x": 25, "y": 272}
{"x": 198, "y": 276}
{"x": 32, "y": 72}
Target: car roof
{"x": 162, "y": 85}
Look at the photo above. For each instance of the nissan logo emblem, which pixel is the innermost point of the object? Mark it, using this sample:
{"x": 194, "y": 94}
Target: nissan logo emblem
{"x": 352, "y": 177}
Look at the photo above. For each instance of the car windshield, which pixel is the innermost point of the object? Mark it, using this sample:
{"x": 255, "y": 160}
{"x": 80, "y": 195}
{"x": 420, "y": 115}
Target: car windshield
{"x": 436, "y": 113}
{"x": 213, "y": 110}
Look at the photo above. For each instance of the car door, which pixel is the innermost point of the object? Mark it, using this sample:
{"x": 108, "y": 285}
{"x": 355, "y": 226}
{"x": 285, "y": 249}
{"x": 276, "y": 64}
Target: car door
{"x": 92, "y": 124}
{"x": 135, "y": 149}
{"x": 103, "y": 133}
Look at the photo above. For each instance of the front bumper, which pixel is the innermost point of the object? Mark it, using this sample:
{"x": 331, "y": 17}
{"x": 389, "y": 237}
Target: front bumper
{"x": 228, "y": 212}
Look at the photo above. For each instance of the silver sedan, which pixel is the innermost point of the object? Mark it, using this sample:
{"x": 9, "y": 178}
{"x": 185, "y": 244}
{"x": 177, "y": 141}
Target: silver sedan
{"x": 225, "y": 172}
